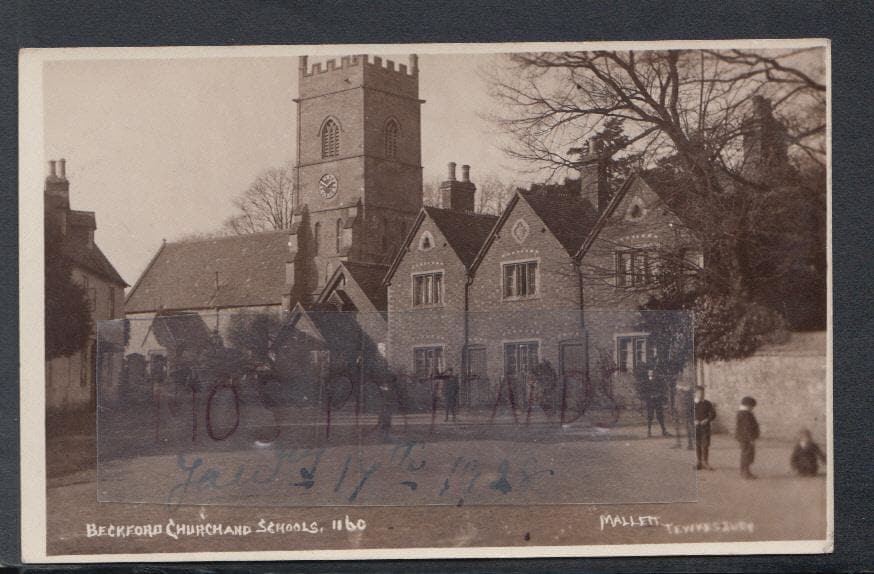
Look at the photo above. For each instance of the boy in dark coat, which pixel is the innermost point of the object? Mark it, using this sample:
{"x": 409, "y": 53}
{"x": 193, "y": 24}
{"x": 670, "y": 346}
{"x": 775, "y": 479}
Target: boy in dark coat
{"x": 747, "y": 432}
{"x": 705, "y": 412}
{"x": 450, "y": 395}
{"x": 806, "y": 455}
{"x": 654, "y": 395}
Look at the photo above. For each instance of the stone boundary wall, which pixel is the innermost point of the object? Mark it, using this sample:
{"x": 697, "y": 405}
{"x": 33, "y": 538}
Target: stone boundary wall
{"x": 788, "y": 382}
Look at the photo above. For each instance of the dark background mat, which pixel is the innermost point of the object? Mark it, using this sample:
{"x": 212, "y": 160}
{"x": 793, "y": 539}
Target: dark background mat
{"x": 848, "y": 24}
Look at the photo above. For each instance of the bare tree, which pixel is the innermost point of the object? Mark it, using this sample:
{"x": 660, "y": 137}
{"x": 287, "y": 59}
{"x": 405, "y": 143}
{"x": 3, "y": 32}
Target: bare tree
{"x": 492, "y": 194}
{"x": 687, "y": 117}
{"x": 266, "y": 205}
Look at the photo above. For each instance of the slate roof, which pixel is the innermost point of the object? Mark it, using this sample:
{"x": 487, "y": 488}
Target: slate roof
{"x": 92, "y": 259}
{"x": 567, "y": 216}
{"x": 182, "y": 276}
{"x": 369, "y": 277}
{"x": 676, "y": 193}
{"x": 75, "y": 245}
{"x": 465, "y": 232}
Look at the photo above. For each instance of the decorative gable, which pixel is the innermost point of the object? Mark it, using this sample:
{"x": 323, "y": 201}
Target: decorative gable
{"x": 520, "y": 230}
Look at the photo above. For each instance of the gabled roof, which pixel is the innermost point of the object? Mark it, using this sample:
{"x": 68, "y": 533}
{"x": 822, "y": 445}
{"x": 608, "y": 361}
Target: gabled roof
{"x": 606, "y": 214}
{"x": 368, "y": 277}
{"x": 182, "y": 275}
{"x": 92, "y": 259}
{"x": 464, "y": 232}
{"x": 568, "y": 217}
{"x": 332, "y": 328}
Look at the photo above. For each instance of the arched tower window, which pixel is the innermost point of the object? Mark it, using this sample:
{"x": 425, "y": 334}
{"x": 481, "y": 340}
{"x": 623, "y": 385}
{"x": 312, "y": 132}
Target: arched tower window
{"x": 330, "y": 139}
{"x": 391, "y": 138}
{"x": 339, "y": 234}
{"x": 317, "y": 232}
{"x": 384, "y": 234}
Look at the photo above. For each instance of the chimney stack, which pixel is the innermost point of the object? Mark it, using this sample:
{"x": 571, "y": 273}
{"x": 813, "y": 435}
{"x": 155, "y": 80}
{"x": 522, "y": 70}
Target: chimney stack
{"x": 592, "y": 166}
{"x": 457, "y": 195}
{"x": 450, "y": 175}
{"x": 465, "y": 173}
{"x": 57, "y": 190}
{"x": 414, "y": 64}
{"x": 765, "y": 143}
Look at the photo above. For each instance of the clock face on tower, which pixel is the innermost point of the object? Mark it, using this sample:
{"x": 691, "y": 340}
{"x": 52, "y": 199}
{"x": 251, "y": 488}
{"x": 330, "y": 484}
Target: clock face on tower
{"x": 328, "y": 186}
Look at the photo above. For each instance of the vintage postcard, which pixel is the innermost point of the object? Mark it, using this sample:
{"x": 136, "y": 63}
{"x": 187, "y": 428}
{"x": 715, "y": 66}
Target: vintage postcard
{"x": 333, "y": 302}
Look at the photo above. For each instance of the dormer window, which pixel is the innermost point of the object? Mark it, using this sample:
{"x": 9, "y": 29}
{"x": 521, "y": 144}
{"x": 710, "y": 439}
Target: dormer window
{"x": 392, "y": 131}
{"x": 330, "y": 139}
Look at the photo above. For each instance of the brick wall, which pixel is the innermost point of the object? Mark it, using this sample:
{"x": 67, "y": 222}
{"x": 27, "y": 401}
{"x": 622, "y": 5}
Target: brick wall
{"x": 550, "y": 318}
{"x": 443, "y": 325}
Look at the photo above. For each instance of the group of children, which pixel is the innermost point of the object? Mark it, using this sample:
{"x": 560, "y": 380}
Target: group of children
{"x": 805, "y": 457}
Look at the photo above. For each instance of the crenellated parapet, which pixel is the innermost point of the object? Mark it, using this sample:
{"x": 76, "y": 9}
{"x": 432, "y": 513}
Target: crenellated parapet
{"x": 359, "y": 70}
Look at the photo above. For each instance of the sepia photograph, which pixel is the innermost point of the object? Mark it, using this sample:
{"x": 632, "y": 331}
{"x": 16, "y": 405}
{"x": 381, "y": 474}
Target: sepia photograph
{"x": 434, "y": 300}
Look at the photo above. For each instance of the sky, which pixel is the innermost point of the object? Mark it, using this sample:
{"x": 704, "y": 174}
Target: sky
{"x": 159, "y": 148}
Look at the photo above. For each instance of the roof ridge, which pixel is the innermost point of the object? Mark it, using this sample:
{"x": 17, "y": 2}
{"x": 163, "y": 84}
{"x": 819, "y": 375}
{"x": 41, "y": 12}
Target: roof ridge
{"x": 228, "y": 237}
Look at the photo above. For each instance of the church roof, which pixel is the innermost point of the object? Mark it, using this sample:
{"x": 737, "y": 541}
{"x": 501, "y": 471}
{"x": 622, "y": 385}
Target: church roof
{"x": 465, "y": 232}
{"x": 182, "y": 275}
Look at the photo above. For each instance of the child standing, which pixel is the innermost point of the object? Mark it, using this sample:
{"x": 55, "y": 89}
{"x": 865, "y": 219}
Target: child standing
{"x": 705, "y": 412}
{"x": 806, "y": 455}
{"x": 747, "y": 432}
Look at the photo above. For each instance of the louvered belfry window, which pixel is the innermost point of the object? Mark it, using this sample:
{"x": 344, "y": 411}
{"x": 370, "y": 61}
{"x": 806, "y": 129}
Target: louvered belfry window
{"x": 330, "y": 139}
{"x": 391, "y": 139}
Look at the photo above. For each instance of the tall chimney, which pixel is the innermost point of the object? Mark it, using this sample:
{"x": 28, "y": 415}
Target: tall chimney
{"x": 414, "y": 64}
{"x": 764, "y": 143}
{"x": 62, "y": 168}
{"x": 465, "y": 173}
{"x": 457, "y": 195}
{"x": 57, "y": 193}
{"x": 302, "y": 63}
{"x": 592, "y": 166}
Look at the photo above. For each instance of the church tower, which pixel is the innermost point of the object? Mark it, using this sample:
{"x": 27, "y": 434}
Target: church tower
{"x": 359, "y": 164}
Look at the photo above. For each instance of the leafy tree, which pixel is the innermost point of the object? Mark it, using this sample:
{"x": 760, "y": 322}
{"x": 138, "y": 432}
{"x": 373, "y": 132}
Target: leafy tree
{"x": 266, "y": 205}
{"x": 697, "y": 119}
{"x": 67, "y": 308}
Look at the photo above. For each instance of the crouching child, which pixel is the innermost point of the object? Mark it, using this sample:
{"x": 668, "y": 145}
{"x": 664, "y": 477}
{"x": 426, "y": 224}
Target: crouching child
{"x": 806, "y": 455}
